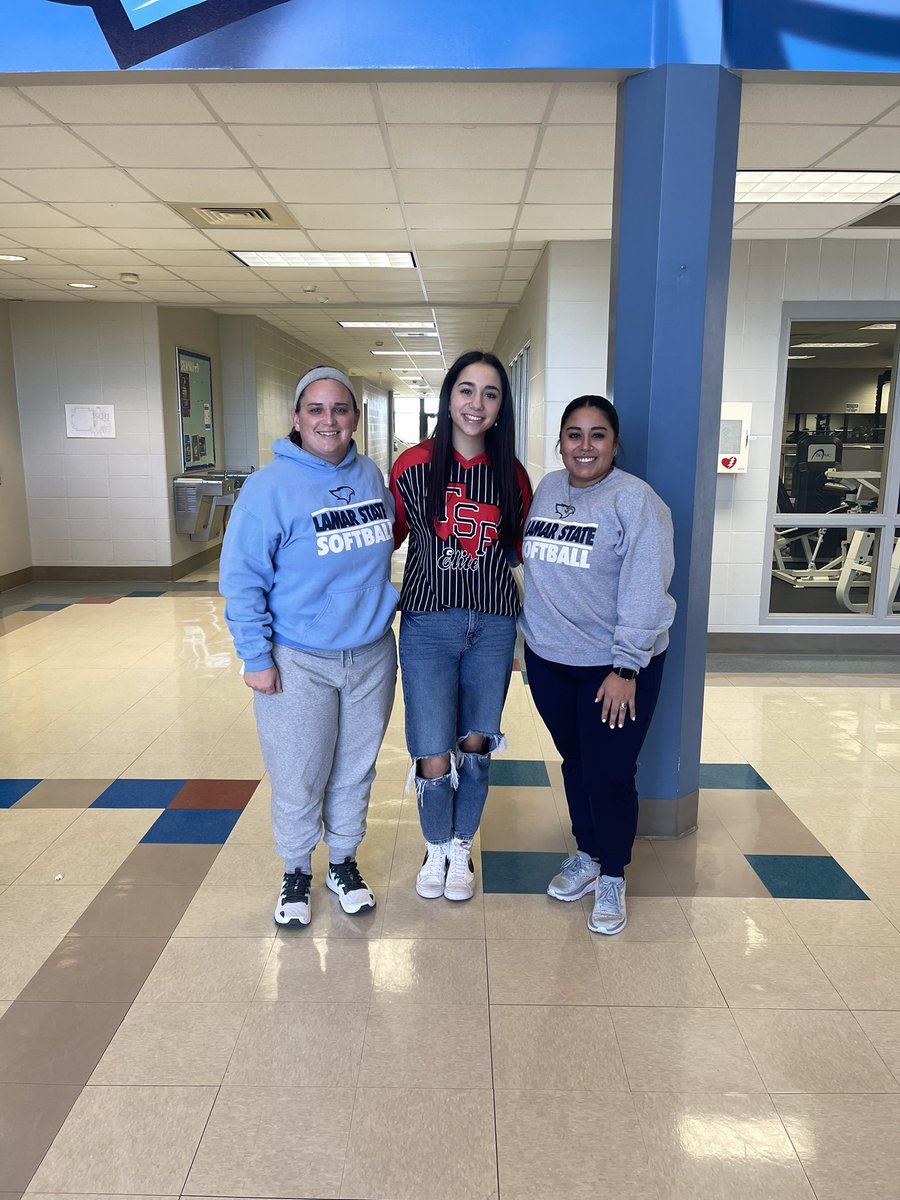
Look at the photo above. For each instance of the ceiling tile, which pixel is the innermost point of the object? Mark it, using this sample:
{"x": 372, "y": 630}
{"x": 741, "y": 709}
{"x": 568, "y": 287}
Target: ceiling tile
{"x": 43, "y": 146}
{"x": 461, "y": 274}
{"x": 577, "y": 147}
{"x": 130, "y": 103}
{"x": 135, "y": 216}
{"x": 319, "y": 103}
{"x": 169, "y": 239}
{"x": 813, "y": 104}
{"x": 876, "y": 149}
{"x": 189, "y": 258}
{"x": 98, "y": 257}
{"x": 454, "y": 146}
{"x": 206, "y": 187}
{"x": 585, "y": 103}
{"x": 349, "y": 216}
{"x": 33, "y": 214}
{"x": 347, "y": 146}
{"x": 464, "y": 102}
{"x": 359, "y": 239}
{"x": 461, "y": 187}
{"x": 461, "y": 258}
{"x": 469, "y": 239}
{"x": 14, "y": 110}
{"x": 801, "y": 216}
{"x": 461, "y": 216}
{"x": 189, "y": 147}
{"x": 571, "y": 187}
{"x": 771, "y": 147}
{"x": 74, "y": 238}
{"x": 10, "y": 194}
{"x": 566, "y": 216}
{"x": 334, "y": 186}
{"x": 103, "y": 183}
{"x": 259, "y": 239}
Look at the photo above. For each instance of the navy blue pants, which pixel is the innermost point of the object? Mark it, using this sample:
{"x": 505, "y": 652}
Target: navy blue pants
{"x": 599, "y": 764}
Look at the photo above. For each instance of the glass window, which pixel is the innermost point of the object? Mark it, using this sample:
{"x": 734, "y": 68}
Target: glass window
{"x": 518, "y": 381}
{"x": 829, "y": 570}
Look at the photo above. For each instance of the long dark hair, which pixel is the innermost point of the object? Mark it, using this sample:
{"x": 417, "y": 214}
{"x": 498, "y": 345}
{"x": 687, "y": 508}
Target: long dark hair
{"x": 602, "y": 405}
{"x": 499, "y": 445}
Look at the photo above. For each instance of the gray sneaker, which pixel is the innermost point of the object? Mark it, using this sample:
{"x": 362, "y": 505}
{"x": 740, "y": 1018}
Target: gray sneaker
{"x": 608, "y": 914}
{"x": 577, "y": 876}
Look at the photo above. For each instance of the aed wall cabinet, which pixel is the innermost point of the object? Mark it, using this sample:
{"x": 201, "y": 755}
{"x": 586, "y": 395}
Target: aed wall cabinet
{"x": 734, "y": 438}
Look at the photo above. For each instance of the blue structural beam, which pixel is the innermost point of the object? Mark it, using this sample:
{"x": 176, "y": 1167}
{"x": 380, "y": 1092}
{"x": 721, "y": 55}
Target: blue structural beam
{"x": 675, "y": 164}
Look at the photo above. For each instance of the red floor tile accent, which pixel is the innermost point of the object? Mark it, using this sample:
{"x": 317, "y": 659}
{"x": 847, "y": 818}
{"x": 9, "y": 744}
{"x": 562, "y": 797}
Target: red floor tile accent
{"x": 215, "y": 793}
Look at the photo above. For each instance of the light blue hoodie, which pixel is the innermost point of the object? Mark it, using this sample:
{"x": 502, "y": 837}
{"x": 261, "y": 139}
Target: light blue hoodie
{"x": 306, "y": 556}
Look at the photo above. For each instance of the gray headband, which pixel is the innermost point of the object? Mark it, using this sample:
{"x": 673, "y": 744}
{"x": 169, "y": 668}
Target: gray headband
{"x": 323, "y": 373}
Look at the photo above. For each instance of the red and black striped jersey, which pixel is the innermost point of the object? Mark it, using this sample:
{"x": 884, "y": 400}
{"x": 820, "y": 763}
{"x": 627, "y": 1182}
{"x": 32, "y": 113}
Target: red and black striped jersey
{"x": 458, "y": 561}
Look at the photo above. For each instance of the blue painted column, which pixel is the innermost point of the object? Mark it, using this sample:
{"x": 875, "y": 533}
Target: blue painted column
{"x": 675, "y": 164}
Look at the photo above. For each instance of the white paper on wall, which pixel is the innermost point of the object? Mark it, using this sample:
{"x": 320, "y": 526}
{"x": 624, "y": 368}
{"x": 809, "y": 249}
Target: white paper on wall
{"x": 90, "y": 421}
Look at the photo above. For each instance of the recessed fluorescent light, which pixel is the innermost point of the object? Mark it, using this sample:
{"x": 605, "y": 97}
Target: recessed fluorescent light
{"x": 418, "y": 333}
{"x": 880, "y": 325}
{"x": 335, "y": 258}
{"x": 13, "y": 258}
{"x": 832, "y": 345}
{"x": 791, "y": 356}
{"x": 386, "y": 324}
{"x": 81, "y": 285}
{"x": 815, "y": 187}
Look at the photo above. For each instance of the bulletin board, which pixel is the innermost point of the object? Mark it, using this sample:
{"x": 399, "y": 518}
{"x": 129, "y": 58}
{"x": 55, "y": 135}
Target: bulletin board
{"x": 195, "y": 410}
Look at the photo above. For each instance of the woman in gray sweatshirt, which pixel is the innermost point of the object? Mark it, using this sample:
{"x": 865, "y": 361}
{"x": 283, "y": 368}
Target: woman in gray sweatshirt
{"x": 598, "y": 562}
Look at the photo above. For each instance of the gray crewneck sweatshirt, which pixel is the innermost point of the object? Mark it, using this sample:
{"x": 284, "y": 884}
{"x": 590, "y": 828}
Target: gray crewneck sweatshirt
{"x": 598, "y": 563}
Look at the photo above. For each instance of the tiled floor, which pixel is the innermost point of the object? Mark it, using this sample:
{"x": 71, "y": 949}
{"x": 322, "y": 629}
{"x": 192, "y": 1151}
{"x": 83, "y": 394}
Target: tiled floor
{"x": 159, "y": 1037}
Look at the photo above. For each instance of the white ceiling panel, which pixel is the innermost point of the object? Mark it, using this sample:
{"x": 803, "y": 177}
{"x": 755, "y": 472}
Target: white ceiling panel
{"x": 16, "y": 110}
{"x": 458, "y": 147}
{"x": 189, "y": 147}
{"x": 585, "y": 104}
{"x": 294, "y": 103}
{"x": 470, "y": 239}
{"x": 334, "y": 187}
{"x": 460, "y": 216}
{"x": 206, "y": 187}
{"x": 564, "y": 216}
{"x": 135, "y": 216}
{"x": 23, "y": 147}
{"x": 172, "y": 239}
{"x": 463, "y": 260}
{"x": 10, "y": 194}
{"x": 449, "y": 104}
{"x": 576, "y": 147}
{"x": 359, "y": 239}
{"x": 892, "y": 117}
{"x": 876, "y": 149}
{"x": 33, "y": 214}
{"x": 770, "y": 147}
{"x": 571, "y": 187}
{"x": 349, "y": 216}
{"x": 102, "y": 183}
{"x": 800, "y": 216}
{"x": 176, "y": 299}
{"x": 461, "y": 186}
{"x": 742, "y": 235}
{"x": 97, "y": 259}
{"x": 812, "y": 104}
{"x": 333, "y": 146}
{"x": 75, "y": 238}
{"x": 461, "y": 274}
{"x": 559, "y": 234}
{"x": 130, "y": 103}
{"x": 259, "y": 239}
{"x": 189, "y": 258}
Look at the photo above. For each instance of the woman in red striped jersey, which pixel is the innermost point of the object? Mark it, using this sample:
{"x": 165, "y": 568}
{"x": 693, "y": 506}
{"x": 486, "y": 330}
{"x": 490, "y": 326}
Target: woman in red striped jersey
{"x": 462, "y": 498}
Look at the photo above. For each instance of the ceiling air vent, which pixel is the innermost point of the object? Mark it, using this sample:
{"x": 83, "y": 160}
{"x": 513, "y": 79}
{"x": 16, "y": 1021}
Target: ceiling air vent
{"x": 885, "y": 217}
{"x": 236, "y": 216}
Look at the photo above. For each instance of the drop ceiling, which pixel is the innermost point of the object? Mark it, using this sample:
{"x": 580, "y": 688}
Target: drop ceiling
{"x": 472, "y": 176}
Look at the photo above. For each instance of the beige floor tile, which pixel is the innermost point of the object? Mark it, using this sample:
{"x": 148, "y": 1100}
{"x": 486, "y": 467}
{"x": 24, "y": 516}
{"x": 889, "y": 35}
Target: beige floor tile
{"x": 684, "y": 1050}
{"x": 555, "y": 1047}
{"x": 872, "y": 871}
{"x": 708, "y": 871}
{"x": 549, "y": 1146}
{"x": 657, "y": 974}
{"x": 533, "y": 918}
{"x": 172, "y": 1043}
{"x": 541, "y": 972}
{"x": 848, "y": 1144}
{"x": 408, "y": 915}
{"x": 319, "y": 969}
{"x": 20, "y": 957}
{"x": 883, "y": 1031}
{"x": 840, "y": 923}
{"x": 720, "y": 1146}
{"x": 203, "y": 969}
{"x": 743, "y": 921}
{"x": 866, "y": 976}
{"x": 78, "y": 863}
{"x": 48, "y": 911}
{"x": 220, "y": 911}
{"x": 650, "y": 919}
{"x": 247, "y": 865}
{"x": 520, "y": 822}
{"x": 813, "y": 1052}
{"x": 426, "y": 1046}
{"x": 244, "y": 1151}
{"x": 126, "y": 1140}
{"x": 30, "y": 1117}
{"x": 34, "y": 825}
{"x": 282, "y": 1043}
{"x": 387, "y": 1121}
{"x": 16, "y": 858}
{"x": 432, "y": 971}
{"x": 770, "y": 976}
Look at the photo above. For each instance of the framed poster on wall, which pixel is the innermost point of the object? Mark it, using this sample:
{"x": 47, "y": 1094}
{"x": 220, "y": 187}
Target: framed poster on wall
{"x": 195, "y": 410}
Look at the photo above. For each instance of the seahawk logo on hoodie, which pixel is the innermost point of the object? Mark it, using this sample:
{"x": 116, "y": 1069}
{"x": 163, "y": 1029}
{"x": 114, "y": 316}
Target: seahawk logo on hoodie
{"x": 351, "y": 526}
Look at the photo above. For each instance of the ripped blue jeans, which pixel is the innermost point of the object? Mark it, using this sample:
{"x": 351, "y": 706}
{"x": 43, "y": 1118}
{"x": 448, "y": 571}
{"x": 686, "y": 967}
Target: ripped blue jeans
{"x": 455, "y": 668}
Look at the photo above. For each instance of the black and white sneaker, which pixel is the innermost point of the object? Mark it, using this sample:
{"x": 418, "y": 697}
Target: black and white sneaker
{"x": 292, "y": 908}
{"x": 351, "y": 889}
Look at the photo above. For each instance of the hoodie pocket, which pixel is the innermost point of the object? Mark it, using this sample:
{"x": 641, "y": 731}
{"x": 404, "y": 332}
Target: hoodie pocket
{"x": 359, "y": 615}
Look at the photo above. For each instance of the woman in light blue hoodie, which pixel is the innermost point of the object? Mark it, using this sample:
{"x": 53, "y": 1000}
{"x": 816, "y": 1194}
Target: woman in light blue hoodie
{"x": 305, "y": 572}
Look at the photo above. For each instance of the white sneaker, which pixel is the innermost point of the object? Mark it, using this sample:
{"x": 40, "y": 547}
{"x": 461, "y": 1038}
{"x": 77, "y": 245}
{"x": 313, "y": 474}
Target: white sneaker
{"x": 460, "y": 882}
{"x": 433, "y": 871}
{"x": 292, "y": 908}
{"x": 352, "y": 890}
{"x": 576, "y": 877}
{"x": 608, "y": 914}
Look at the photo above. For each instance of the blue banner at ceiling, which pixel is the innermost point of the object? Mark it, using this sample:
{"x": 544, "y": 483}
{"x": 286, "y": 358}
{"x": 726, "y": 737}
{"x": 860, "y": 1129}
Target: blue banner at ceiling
{"x": 623, "y": 35}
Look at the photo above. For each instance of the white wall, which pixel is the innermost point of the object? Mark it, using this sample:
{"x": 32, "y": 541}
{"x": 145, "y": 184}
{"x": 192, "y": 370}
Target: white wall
{"x": 15, "y": 540}
{"x": 527, "y": 322}
{"x": 237, "y": 346}
{"x": 377, "y": 441}
{"x": 280, "y": 361}
{"x": 99, "y": 503}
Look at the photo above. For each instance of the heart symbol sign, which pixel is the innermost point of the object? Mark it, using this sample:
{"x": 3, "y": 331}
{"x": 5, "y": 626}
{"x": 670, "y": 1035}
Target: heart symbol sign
{"x": 729, "y": 462}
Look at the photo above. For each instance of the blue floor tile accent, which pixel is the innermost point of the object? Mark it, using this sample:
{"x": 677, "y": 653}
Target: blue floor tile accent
{"x": 130, "y": 594}
{"x": 12, "y": 790}
{"x": 519, "y": 772}
{"x": 520, "y": 871}
{"x": 731, "y": 775}
{"x": 805, "y": 877}
{"x": 139, "y": 793}
{"x": 192, "y": 826}
{"x": 46, "y": 607}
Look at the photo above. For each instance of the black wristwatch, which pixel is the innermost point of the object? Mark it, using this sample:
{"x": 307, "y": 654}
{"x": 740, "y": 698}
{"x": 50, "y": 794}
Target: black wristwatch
{"x": 625, "y": 672}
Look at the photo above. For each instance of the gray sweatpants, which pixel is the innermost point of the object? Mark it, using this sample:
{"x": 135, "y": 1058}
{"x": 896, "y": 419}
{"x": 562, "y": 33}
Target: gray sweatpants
{"x": 320, "y": 737}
